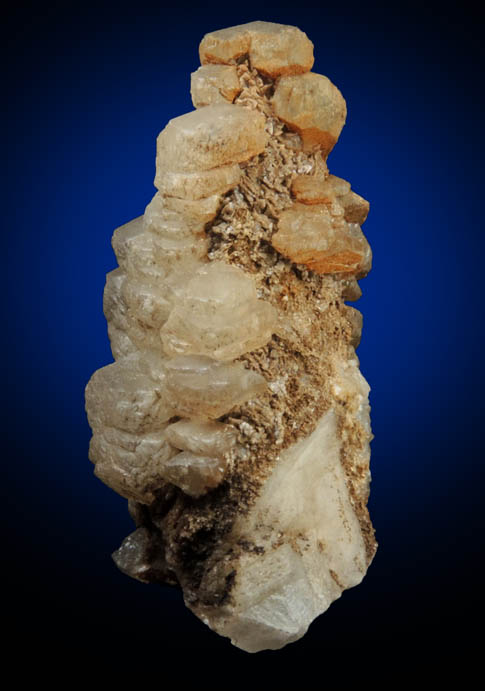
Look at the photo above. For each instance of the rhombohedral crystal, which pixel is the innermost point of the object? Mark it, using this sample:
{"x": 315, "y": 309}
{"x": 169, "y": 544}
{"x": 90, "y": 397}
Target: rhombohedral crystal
{"x": 235, "y": 419}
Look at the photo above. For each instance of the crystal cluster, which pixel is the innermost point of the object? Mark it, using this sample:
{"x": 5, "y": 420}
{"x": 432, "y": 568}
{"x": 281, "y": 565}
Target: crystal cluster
{"x": 234, "y": 418}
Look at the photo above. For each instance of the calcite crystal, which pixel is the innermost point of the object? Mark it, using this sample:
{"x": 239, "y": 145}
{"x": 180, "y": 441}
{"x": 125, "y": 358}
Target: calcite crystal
{"x": 235, "y": 419}
{"x": 313, "y": 106}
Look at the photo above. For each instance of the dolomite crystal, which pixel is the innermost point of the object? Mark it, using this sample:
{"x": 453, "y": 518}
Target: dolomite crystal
{"x": 235, "y": 419}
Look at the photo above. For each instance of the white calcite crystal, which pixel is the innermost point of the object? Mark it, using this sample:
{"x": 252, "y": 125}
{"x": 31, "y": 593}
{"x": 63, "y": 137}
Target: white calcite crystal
{"x": 272, "y": 49}
{"x": 235, "y": 419}
{"x": 309, "y": 549}
{"x": 202, "y": 437}
{"x": 219, "y": 315}
{"x": 313, "y": 106}
{"x": 212, "y": 84}
{"x": 195, "y": 475}
{"x": 200, "y": 387}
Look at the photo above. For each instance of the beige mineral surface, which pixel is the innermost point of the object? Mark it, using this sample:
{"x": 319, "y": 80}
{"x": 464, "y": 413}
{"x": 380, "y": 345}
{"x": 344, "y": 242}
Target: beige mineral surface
{"x": 319, "y": 237}
{"x": 312, "y": 106}
{"x": 234, "y": 418}
{"x": 212, "y": 84}
{"x": 272, "y": 49}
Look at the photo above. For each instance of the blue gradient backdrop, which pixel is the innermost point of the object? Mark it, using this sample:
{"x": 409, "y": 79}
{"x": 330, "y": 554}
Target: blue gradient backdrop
{"x": 87, "y": 92}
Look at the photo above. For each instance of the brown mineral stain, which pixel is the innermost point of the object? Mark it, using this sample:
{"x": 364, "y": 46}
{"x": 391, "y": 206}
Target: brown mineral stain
{"x": 343, "y": 262}
{"x": 335, "y": 578}
{"x": 311, "y": 189}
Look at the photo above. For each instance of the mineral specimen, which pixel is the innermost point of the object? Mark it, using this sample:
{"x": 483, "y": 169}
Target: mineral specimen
{"x": 234, "y": 418}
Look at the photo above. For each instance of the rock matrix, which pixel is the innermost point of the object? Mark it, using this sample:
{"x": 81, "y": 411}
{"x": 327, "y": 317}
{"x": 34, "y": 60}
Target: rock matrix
{"x": 234, "y": 418}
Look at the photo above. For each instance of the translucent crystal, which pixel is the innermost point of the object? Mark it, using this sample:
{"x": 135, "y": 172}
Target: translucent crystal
{"x": 325, "y": 243}
{"x": 218, "y": 135}
{"x": 114, "y": 306}
{"x": 312, "y": 106}
{"x": 195, "y": 186}
{"x": 351, "y": 290}
{"x": 195, "y": 212}
{"x": 147, "y": 303}
{"x": 121, "y": 344}
{"x": 212, "y": 84}
{"x": 356, "y": 208}
{"x": 131, "y": 464}
{"x": 219, "y": 315}
{"x": 339, "y": 185}
{"x": 351, "y": 388}
{"x": 314, "y": 189}
{"x": 165, "y": 217}
{"x": 142, "y": 557}
{"x": 195, "y": 475}
{"x": 284, "y": 585}
{"x": 356, "y": 321}
{"x": 166, "y": 223}
{"x": 121, "y": 395}
{"x": 273, "y": 49}
{"x": 202, "y": 438}
{"x": 276, "y": 602}
{"x": 203, "y": 388}
{"x": 138, "y": 252}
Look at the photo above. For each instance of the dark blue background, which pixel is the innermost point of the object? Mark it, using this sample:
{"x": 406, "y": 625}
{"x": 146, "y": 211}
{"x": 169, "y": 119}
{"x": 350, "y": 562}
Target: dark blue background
{"x": 87, "y": 90}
